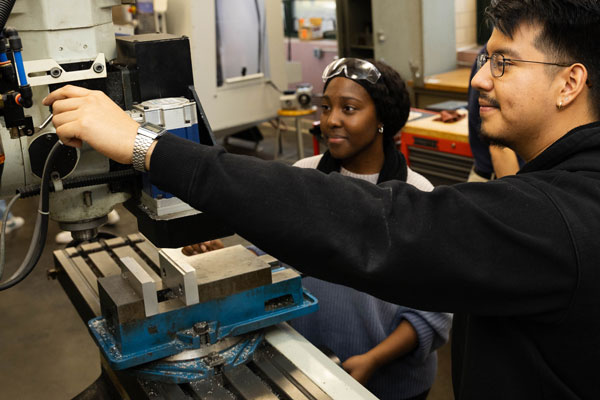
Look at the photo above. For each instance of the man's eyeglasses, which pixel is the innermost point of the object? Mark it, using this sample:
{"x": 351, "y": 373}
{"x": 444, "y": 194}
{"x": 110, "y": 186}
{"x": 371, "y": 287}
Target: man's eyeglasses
{"x": 353, "y": 68}
{"x": 498, "y": 63}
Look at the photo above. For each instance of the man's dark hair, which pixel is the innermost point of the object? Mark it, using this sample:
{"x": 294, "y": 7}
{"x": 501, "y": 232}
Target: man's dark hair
{"x": 391, "y": 98}
{"x": 570, "y": 31}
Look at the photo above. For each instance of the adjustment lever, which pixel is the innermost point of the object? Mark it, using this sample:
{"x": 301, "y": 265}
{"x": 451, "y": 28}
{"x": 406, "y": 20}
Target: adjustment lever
{"x": 45, "y": 123}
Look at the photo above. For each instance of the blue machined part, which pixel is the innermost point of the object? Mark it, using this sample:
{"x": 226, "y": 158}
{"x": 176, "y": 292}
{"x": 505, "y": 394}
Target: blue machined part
{"x": 146, "y": 339}
{"x": 3, "y": 57}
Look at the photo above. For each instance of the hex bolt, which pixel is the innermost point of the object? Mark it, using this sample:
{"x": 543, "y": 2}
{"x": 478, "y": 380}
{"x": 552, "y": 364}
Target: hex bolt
{"x": 55, "y": 72}
{"x": 98, "y": 68}
{"x": 201, "y": 329}
{"x": 214, "y": 360}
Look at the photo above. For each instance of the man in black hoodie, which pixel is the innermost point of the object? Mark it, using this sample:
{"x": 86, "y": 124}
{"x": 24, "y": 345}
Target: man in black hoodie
{"x": 516, "y": 258}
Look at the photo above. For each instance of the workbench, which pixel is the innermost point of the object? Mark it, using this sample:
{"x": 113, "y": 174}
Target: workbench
{"x": 451, "y": 85}
{"x": 437, "y": 148}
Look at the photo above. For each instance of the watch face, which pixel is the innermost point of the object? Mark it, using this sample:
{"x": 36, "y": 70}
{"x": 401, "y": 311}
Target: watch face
{"x": 153, "y": 128}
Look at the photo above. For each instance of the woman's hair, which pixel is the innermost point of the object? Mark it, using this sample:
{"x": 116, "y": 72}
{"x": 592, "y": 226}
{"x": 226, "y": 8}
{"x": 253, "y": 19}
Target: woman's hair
{"x": 392, "y": 102}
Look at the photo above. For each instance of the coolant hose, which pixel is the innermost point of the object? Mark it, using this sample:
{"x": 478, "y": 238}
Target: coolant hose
{"x": 36, "y": 247}
{"x": 6, "y": 7}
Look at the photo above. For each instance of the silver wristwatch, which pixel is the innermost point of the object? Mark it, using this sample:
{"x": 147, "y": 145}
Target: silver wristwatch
{"x": 146, "y": 134}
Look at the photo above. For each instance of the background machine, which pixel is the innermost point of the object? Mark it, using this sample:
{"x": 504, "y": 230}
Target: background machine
{"x": 167, "y": 326}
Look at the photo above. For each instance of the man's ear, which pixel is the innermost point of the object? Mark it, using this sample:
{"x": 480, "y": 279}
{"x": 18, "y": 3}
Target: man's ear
{"x": 573, "y": 84}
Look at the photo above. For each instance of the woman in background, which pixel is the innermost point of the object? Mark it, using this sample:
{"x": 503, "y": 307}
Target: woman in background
{"x": 389, "y": 348}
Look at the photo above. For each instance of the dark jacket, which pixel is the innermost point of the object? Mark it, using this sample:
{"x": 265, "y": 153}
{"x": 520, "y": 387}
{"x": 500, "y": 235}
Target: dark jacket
{"x": 517, "y": 258}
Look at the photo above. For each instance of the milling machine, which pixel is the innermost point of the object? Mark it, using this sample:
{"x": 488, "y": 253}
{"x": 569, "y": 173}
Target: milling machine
{"x": 167, "y": 326}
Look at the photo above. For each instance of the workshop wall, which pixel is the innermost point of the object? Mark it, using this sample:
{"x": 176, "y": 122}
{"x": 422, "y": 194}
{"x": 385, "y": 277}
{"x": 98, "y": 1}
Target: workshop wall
{"x": 466, "y": 23}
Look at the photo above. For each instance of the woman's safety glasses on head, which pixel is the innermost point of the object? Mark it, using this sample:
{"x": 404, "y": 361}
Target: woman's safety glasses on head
{"x": 352, "y": 68}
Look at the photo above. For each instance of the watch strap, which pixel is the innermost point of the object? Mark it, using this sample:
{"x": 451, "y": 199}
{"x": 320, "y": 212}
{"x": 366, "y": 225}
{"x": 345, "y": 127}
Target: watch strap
{"x": 140, "y": 149}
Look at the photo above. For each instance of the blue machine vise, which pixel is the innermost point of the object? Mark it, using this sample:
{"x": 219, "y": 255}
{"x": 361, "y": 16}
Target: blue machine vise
{"x": 203, "y": 316}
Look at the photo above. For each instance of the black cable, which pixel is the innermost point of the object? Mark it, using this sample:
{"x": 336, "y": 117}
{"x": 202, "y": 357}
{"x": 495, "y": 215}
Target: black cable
{"x": 41, "y": 226}
{"x": 220, "y": 78}
{"x": 3, "y": 234}
{"x": 290, "y": 47}
{"x": 259, "y": 36}
{"x": 288, "y": 11}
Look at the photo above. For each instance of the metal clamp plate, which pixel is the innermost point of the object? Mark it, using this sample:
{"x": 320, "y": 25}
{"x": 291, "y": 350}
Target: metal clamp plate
{"x": 39, "y": 71}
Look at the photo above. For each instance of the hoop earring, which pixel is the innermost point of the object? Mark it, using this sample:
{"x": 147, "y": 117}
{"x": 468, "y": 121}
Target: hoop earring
{"x": 380, "y": 130}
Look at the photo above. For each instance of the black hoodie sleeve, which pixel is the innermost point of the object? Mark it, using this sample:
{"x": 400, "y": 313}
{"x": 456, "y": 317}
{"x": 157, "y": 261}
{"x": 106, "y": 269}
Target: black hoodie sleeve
{"x": 497, "y": 248}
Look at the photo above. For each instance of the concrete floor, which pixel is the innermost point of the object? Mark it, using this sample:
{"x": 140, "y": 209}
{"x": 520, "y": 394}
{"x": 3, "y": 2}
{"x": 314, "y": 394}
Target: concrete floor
{"x": 45, "y": 349}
